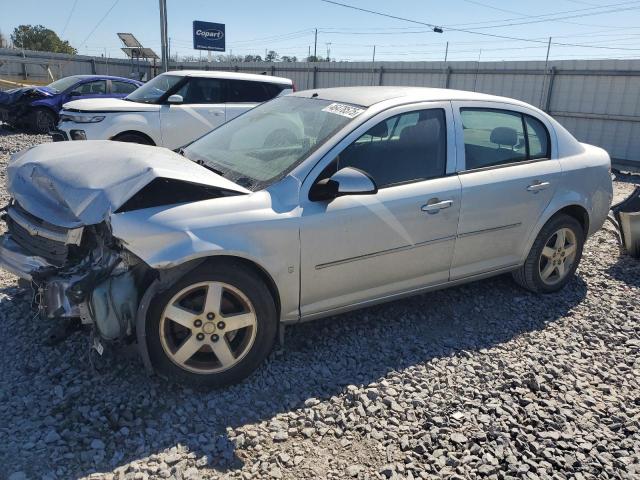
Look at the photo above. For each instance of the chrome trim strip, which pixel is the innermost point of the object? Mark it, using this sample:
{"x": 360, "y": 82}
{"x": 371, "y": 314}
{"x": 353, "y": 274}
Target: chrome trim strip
{"x": 68, "y": 236}
{"x": 486, "y": 230}
{"x": 383, "y": 252}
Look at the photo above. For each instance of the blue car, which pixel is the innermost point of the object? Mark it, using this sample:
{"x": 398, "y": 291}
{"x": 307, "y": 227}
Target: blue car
{"x": 36, "y": 108}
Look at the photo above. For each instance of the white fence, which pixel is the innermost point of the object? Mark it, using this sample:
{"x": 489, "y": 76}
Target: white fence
{"x": 597, "y": 100}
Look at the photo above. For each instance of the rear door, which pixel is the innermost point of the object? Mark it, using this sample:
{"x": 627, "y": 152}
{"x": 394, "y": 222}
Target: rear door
{"x": 509, "y": 173}
{"x": 201, "y": 111}
{"x": 243, "y": 95}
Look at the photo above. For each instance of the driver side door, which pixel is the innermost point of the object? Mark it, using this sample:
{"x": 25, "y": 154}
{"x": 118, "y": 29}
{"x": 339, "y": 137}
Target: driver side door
{"x": 357, "y": 249}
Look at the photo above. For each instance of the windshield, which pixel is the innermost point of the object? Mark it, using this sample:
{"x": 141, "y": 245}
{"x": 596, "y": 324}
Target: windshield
{"x": 264, "y": 144}
{"x": 151, "y": 91}
{"x": 62, "y": 84}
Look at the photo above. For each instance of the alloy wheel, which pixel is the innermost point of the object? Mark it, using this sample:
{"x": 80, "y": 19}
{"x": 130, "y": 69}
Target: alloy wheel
{"x": 558, "y": 256}
{"x": 208, "y": 327}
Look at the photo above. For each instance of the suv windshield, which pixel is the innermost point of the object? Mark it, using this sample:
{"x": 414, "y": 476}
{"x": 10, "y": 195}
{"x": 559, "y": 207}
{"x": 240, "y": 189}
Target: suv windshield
{"x": 261, "y": 146}
{"x": 151, "y": 91}
{"x": 62, "y": 84}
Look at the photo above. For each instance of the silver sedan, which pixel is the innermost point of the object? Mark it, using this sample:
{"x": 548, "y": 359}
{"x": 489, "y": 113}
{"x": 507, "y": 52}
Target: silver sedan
{"x": 309, "y": 205}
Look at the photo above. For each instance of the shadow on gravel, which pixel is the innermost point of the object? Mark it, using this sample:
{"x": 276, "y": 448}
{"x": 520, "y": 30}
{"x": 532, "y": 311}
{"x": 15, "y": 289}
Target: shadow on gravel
{"x": 626, "y": 269}
{"x": 58, "y": 415}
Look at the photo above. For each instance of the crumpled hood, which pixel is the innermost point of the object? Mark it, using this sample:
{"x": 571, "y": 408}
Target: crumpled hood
{"x": 12, "y": 96}
{"x": 71, "y": 184}
{"x": 109, "y": 105}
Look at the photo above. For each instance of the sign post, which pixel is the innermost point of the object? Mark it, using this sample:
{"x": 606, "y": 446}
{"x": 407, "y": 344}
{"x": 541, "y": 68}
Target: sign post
{"x": 208, "y": 36}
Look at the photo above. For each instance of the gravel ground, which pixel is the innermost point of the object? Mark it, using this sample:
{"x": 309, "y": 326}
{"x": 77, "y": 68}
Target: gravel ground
{"x": 483, "y": 380}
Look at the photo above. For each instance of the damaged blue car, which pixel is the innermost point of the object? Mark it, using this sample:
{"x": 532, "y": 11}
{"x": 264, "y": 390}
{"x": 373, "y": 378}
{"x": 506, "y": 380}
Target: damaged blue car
{"x": 36, "y": 108}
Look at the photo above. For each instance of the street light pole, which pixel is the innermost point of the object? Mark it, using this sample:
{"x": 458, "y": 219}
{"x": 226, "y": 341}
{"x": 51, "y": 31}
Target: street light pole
{"x": 164, "y": 47}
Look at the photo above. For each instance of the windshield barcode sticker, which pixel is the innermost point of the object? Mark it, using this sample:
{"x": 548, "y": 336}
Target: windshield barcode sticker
{"x": 348, "y": 111}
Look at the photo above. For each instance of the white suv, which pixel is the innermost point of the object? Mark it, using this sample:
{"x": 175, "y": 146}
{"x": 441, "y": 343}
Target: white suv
{"x": 170, "y": 110}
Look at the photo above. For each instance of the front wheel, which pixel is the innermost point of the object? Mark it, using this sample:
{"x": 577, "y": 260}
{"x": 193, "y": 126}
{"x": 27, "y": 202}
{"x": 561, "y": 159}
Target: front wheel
{"x": 554, "y": 256}
{"x": 42, "y": 120}
{"x": 212, "y": 327}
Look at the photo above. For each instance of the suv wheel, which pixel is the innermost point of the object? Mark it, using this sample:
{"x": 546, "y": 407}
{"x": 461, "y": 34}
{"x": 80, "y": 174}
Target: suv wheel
{"x": 213, "y": 327}
{"x": 132, "y": 138}
{"x": 554, "y": 256}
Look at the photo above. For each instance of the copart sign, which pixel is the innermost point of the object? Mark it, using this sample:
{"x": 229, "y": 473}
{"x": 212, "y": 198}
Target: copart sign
{"x": 208, "y": 36}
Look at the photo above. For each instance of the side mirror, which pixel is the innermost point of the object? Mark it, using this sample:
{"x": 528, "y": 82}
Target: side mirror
{"x": 175, "y": 98}
{"x": 346, "y": 181}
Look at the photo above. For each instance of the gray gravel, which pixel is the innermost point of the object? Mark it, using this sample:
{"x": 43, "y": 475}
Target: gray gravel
{"x": 483, "y": 380}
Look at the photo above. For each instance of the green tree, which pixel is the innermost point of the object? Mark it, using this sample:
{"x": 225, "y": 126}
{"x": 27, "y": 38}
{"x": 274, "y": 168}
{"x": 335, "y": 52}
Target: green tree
{"x": 286, "y": 58}
{"x": 40, "y": 38}
{"x": 3, "y": 41}
{"x": 272, "y": 56}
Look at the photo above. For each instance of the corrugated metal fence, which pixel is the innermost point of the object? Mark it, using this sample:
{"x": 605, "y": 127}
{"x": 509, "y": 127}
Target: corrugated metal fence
{"x": 597, "y": 100}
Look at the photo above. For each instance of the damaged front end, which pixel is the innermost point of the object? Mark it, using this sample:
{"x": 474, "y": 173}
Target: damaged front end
{"x": 15, "y": 104}
{"x": 79, "y": 272}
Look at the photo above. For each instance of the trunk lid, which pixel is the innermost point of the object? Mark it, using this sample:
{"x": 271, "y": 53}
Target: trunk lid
{"x": 71, "y": 184}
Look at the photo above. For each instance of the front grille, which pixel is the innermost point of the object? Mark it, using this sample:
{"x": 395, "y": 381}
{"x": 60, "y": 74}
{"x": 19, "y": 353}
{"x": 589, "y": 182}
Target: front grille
{"x": 55, "y": 252}
{"x": 38, "y": 237}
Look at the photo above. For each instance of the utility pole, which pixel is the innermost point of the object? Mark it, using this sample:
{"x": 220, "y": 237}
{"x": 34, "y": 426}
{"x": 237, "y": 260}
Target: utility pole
{"x": 374, "y": 54}
{"x": 548, "y": 50}
{"x": 164, "y": 45}
{"x": 373, "y": 66}
{"x": 446, "y": 52}
{"x": 315, "y": 45}
{"x": 328, "y": 51}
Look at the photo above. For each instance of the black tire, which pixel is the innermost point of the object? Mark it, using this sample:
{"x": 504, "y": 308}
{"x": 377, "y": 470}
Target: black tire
{"x": 529, "y": 275}
{"x": 42, "y": 120}
{"x": 248, "y": 282}
{"x": 133, "y": 138}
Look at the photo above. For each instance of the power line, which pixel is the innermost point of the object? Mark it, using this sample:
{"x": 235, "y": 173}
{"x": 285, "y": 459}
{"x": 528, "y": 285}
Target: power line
{"x": 66, "y": 24}
{"x": 100, "y": 21}
{"x": 494, "y": 35}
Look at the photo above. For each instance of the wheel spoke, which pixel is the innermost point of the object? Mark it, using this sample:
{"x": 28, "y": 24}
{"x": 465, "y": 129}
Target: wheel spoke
{"x": 180, "y": 316}
{"x": 560, "y": 238}
{"x": 242, "y": 320}
{"x": 570, "y": 250}
{"x": 561, "y": 269}
{"x": 548, "y": 270}
{"x": 222, "y": 349}
{"x": 213, "y": 298}
{"x": 548, "y": 252}
{"x": 190, "y": 346}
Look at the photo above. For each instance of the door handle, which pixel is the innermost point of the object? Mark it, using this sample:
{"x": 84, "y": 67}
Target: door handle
{"x": 537, "y": 186}
{"x": 434, "y": 205}
{"x": 217, "y": 113}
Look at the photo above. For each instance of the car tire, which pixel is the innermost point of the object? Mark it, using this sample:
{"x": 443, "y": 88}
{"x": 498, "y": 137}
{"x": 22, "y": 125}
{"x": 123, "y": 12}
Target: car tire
{"x": 133, "y": 138}
{"x": 192, "y": 341}
{"x": 42, "y": 120}
{"x": 554, "y": 256}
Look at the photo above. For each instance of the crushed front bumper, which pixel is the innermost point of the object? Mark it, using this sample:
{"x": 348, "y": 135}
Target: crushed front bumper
{"x": 17, "y": 260}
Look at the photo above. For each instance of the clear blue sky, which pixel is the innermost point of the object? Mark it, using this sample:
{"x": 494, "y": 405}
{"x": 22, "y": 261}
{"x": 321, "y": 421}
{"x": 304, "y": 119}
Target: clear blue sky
{"x": 287, "y": 27}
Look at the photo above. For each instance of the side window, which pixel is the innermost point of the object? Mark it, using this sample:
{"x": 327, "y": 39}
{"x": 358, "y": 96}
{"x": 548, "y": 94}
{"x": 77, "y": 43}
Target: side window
{"x": 405, "y": 148}
{"x": 492, "y": 137}
{"x": 122, "y": 87}
{"x": 538, "y": 137}
{"x": 202, "y": 90}
{"x": 99, "y": 87}
{"x": 241, "y": 91}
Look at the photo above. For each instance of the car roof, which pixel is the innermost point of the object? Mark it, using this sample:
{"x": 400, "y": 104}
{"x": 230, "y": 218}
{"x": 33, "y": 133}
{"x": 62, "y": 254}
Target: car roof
{"x": 368, "y": 96}
{"x": 109, "y": 77}
{"x": 231, "y": 76}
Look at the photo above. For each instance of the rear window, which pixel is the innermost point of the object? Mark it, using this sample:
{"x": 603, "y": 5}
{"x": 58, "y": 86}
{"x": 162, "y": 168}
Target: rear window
{"x": 241, "y": 91}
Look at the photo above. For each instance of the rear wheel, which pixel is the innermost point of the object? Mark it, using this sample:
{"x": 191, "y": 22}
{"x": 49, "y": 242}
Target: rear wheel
{"x": 133, "y": 138}
{"x": 554, "y": 256}
{"x": 213, "y": 327}
{"x": 42, "y": 120}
